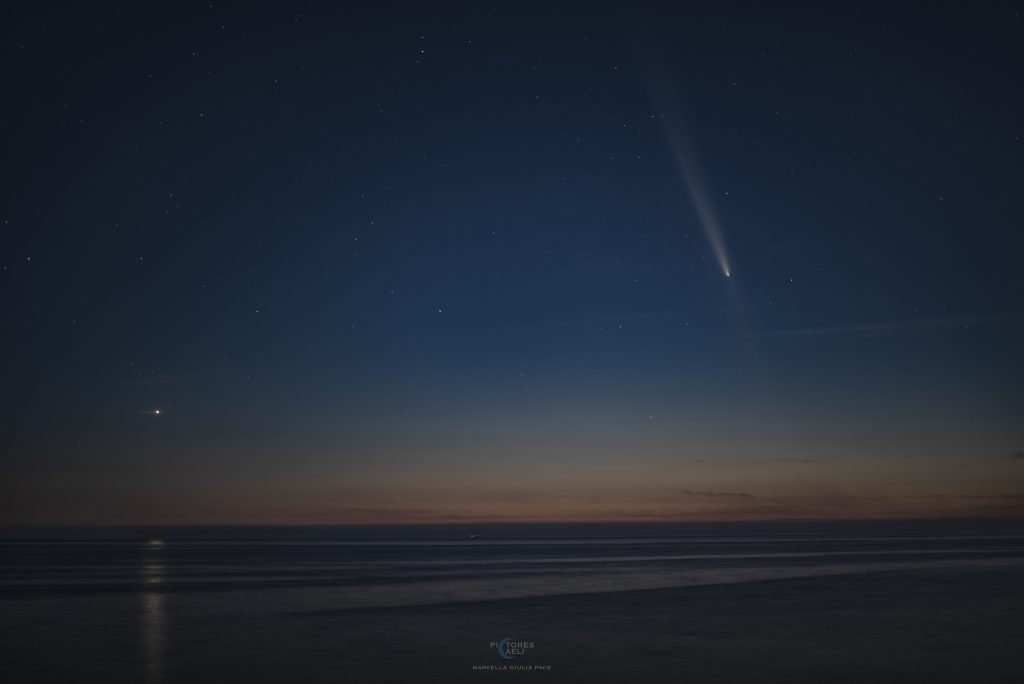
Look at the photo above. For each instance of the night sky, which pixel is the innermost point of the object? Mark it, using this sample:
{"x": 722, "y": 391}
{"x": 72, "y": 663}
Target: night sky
{"x": 511, "y": 262}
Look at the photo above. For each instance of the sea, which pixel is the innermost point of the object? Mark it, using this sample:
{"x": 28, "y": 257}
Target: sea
{"x": 121, "y": 602}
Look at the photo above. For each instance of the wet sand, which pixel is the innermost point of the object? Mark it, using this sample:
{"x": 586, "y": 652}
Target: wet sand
{"x": 924, "y": 626}
{"x": 948, "y": 626}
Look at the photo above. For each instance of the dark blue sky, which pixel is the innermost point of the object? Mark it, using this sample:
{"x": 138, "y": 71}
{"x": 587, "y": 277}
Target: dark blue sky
{"x": 436, "y": 261}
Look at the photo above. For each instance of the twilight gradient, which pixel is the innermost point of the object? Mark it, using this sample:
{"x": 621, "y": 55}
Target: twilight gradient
{"x": 466, "y": 263}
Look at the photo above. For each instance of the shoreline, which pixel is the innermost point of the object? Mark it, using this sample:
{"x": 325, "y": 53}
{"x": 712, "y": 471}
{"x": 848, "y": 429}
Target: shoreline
{"x": 922, "y": 626}
{"x": 939, "y": 625}
{"x": 918, "y": 574}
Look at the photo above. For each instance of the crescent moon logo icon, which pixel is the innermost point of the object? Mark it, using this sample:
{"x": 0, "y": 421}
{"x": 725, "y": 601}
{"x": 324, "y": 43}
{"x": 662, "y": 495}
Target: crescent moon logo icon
{"x": 501, "y": 648}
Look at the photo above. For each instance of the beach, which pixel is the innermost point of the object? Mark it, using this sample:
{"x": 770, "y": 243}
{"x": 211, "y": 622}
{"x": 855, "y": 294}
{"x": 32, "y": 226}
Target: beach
{"x": 938, "y": 625}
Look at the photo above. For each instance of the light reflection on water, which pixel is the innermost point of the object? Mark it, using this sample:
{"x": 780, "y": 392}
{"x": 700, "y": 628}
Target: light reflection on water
{"x": 154, "y": 616}
{"x": 118, "y": 594}
{"x": 238, "y": 576}
{"x": 261, "y": 611}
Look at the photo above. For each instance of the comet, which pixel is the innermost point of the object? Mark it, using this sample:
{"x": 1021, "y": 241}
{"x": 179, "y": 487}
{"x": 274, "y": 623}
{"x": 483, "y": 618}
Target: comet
{"x": 690, "y": 171}
{"x": 686, "y": 159}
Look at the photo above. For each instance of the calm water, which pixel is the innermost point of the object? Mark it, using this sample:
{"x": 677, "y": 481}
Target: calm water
{"x": 329, "y": 570}
{"x": 134, "y": 585}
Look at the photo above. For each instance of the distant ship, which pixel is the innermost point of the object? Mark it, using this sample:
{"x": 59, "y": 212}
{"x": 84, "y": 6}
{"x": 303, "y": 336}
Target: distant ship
{"x": 475, "y": 536}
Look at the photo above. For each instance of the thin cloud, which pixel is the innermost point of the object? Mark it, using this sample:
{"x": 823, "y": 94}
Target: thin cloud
{"x": 721, "y": 495}
{"x": 882, "y": 329}
{"x": 971, "y": 497}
